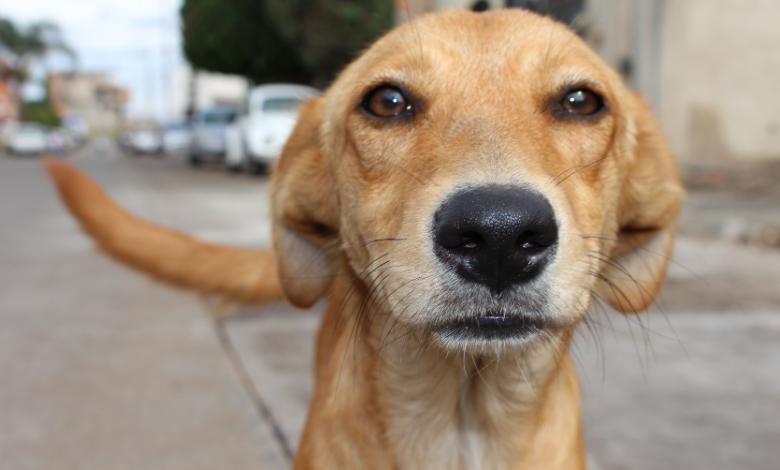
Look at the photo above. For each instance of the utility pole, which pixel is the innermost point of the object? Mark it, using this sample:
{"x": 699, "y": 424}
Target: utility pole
{"x": 192, "y": 95}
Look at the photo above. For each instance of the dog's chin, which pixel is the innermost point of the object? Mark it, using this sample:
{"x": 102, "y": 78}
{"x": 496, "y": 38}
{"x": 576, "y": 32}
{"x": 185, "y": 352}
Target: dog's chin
{"x": 493, "y": 332}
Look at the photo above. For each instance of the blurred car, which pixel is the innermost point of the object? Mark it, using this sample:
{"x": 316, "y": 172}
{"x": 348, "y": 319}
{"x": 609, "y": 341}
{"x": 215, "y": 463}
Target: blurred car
{"x": 142, "y": 141}
{"x": 7, "y": 130}
{"x": 235, "y": 153}
{"x": 176, "y": 138}
{"x": 61, "y": 141}
{"x": 257, "y": 139}
{"x": 29, "y": 139}
{"x": 77, "y": 126}
{"x": 208, "y": 134}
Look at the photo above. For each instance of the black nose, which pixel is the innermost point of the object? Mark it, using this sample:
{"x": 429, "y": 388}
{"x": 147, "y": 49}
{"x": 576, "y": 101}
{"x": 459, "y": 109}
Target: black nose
{"x": 498, "y": 236}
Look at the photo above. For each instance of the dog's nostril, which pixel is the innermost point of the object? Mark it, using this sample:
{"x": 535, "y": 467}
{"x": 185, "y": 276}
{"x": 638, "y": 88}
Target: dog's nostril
{"x": 529, "y": 245}
{"x": 528, "y": 240}
{"x": 534, "y": 241}
{"x": 456, "y": 240}
{"x": 497, "y": 236}
{"x": 471, "y": 241}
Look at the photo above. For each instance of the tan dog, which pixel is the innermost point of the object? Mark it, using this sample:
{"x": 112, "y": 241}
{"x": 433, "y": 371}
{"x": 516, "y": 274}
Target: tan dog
{"x": 460, "y": 195}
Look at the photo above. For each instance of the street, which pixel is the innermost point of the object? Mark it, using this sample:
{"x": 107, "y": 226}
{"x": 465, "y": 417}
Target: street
{"x": 104, "y": 368}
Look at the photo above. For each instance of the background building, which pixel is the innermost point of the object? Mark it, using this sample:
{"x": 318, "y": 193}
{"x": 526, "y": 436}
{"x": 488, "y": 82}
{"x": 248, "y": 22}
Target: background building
{"x": 709, "y": 76}
{"x": 90, "y": 98}
{"x": 9, "y": 101}
{"x": 202, "y": 90}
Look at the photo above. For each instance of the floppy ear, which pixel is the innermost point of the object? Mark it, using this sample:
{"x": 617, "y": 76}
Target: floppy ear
{"x": 305, "y": 213}
{"x": 647, "y": 215}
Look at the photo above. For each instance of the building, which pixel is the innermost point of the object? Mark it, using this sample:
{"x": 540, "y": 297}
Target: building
{"x": 90, "y": 98}
{"x": 202, "y": 90}
{"x": 9, "y": 103}
{"x": 708, "y": 67}
{"x": 9, "y": 100}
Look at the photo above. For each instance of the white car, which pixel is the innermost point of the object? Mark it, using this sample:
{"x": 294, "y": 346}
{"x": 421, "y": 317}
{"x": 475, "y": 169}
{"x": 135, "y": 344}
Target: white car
{"x": 256, "y": 140}
{"x": 177, "y": 138}
{"x": 29, "y": 139}
{"x": 208, "y": 134}
{"x": 143, "y": 141}
{"x": 60, "y": 141}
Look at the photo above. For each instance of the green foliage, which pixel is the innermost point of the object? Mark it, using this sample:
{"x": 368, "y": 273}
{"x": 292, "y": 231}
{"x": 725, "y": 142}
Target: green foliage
{"x": 328, "y": 34}
{"x": 236, "y": 37}
{"x": 31, "y": 42}
{"x": 305, "y": 41}
{"x": 34, "y": 40}
{"x": 41, "y": 112}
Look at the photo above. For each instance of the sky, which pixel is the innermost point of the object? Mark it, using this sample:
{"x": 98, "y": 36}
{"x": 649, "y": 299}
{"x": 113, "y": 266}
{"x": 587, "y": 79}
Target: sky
{"x": 136, "y": 42}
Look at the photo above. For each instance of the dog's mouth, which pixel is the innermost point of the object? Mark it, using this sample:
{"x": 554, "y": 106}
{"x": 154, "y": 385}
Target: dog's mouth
{"x": 493, "y": 327}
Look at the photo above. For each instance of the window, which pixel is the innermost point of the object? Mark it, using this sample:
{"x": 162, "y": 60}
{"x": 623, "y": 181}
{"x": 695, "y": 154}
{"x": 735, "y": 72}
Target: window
{"x": 281, "y": 104}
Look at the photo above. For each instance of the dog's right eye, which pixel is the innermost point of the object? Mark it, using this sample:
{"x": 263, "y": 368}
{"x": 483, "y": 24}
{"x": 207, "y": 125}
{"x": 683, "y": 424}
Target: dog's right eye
{"x": 386, "y": 102}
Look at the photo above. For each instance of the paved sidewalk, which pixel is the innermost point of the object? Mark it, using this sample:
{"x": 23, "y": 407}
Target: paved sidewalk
{"x": 103, "y": 368}
{"x": 681, "y": 387}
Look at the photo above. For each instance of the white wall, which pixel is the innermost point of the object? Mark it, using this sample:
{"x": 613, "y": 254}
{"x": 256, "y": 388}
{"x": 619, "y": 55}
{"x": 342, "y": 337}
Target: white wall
{"x": 720, "y": 76}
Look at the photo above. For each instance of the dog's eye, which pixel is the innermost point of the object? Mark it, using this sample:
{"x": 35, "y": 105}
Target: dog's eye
{"x": 386, "y": 102}
{"x": 582, "y": 103}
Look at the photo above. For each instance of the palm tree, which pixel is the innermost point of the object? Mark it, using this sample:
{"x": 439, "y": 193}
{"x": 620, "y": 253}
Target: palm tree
{"x": 30, "y": 43}
{"x": 22, "y": 46}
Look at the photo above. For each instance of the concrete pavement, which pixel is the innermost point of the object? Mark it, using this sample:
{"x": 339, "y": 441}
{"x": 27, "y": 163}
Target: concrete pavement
{"x": 104, "y": 368}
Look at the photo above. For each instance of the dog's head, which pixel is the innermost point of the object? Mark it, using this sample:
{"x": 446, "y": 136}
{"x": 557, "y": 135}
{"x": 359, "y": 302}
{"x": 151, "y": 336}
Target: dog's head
{"x": 484, "y": 176}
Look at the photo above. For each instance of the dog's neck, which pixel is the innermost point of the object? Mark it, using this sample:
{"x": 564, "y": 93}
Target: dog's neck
{"x": 421, "y": 407}
{"x": 468, "y": 411}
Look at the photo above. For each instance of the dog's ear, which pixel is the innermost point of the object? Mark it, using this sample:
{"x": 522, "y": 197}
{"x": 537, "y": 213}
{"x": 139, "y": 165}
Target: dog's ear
{"x": 305, "y": 212}
{"x": 647, "y": 214}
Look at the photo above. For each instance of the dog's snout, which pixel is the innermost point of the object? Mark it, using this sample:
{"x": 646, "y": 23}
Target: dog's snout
{"x": 498, "y": 236}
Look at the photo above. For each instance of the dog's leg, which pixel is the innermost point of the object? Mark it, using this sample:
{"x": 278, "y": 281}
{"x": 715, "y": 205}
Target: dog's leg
{"x": 247, "y": 276}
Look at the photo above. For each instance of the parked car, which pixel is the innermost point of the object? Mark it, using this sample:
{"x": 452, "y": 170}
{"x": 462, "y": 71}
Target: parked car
{"x": 7, "y": 130}
{"x": 235, "y": 154}
{"x": 208, "y": 134}
{"x": 177, "y": 138}
{"x": 29, "y": 139}
{"x": 257, "y": 139}
{"x": 61, "y": 141}
{"x": 77, "y": 126}
{"x": 142, "y": 141}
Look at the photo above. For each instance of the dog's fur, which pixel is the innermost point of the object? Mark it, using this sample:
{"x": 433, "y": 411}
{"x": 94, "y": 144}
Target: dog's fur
{"x": 353, "y": 200}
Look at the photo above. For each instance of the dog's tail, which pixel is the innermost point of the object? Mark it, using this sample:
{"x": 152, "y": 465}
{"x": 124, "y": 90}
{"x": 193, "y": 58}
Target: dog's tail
{"x": 245, "y": 275}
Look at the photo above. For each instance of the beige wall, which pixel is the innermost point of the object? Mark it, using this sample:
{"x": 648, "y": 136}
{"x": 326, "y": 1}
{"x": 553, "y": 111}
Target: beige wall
{"x": 212, "y": 89}
{"x": 92, "y": 96}
{"x": 610, "y": 23}
{"x": 720, "y": 75}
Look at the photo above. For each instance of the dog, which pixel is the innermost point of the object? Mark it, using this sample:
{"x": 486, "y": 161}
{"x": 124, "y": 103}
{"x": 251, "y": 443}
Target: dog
{"x": 461, "y": 195}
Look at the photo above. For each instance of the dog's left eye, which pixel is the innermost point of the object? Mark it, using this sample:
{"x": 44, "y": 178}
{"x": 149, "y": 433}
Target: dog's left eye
{"x": 386, "y": 101}
{"x": 582, "y": 102}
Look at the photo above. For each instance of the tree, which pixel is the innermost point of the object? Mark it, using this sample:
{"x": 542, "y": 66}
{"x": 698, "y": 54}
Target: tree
{"x": 28, "y": 44}
{"x": 31, "y": 43}
{"x": 328, "y": 34}
{"x": 236, "y": 37}
{"x": 304, "y": 41}
{"x": 41, "y": 112}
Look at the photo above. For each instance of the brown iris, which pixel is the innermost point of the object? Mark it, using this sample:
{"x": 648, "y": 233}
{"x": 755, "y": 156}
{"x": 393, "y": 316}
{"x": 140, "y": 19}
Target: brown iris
{"x": 386, "y": 101}
{"x": 582, "y": 103}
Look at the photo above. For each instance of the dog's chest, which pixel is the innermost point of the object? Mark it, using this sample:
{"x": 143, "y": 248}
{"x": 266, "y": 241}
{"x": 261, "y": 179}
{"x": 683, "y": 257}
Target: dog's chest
{"x": 459, "y": 422}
